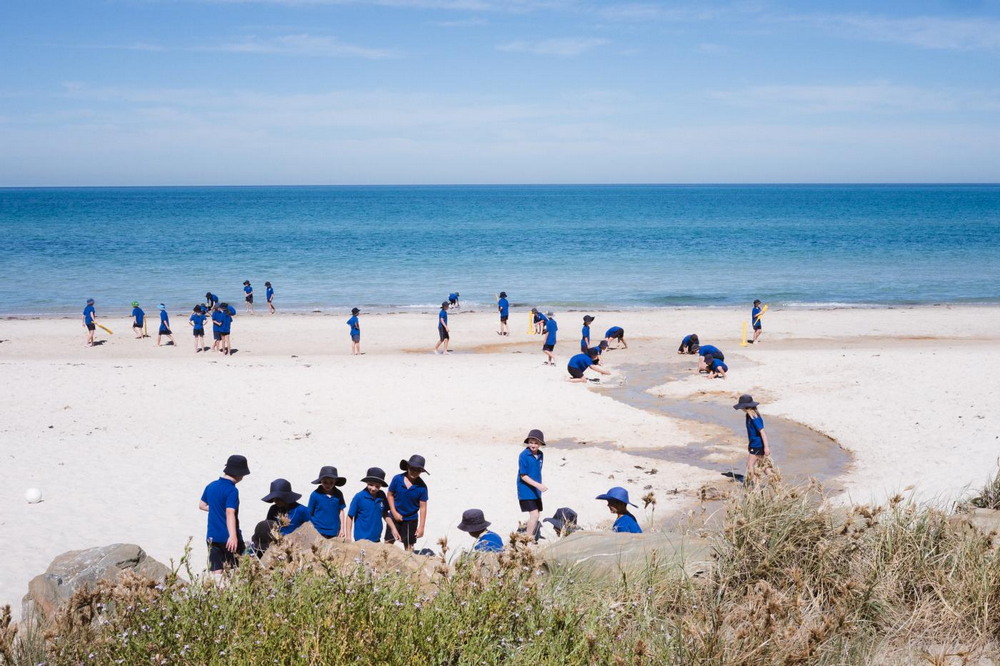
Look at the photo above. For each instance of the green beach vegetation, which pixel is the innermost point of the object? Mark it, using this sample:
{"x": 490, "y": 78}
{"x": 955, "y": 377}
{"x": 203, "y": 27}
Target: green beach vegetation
{"x": 791, "y": 580}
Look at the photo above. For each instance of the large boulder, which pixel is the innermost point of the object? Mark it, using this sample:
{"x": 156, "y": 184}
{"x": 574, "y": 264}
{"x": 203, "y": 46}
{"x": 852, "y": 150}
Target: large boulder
{"x": 80, "y": 569}
{"x": 610, "y": 554}
{"x": 306, "y": 547}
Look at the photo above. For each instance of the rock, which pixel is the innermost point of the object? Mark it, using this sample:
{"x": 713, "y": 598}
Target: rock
{"x": 79, "y": 569}
{"x": 305, "y": 546}
{"x": 610, "y": 553}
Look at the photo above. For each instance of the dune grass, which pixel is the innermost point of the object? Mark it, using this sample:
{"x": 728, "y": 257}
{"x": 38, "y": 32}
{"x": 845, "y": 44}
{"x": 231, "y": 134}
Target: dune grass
{"x": 793, "y": 581}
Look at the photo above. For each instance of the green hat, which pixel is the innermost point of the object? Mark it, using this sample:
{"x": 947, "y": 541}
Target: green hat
{"x": 135, "y": 304}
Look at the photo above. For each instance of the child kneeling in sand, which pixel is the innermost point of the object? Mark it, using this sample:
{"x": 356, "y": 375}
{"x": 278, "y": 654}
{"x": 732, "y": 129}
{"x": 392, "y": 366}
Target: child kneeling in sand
{"x": 579, "y": 363}
{"x": 475, "y": 523}
{"x": 757, "y": 445}
{"x": 618, "y": 504}
{"x": 370, "y": 508}
{"x": 716, "y": 367}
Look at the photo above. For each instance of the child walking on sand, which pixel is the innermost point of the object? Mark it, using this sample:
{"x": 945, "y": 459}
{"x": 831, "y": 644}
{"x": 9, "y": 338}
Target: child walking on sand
{"x": 370, "y": 509}
{"x": 757, "y": 445}
{"x": 270, "y": 296}
{"x": 755, "y": 319}
{"x": 164, "y": 326}
{"x": 138, "y": 319}
{"x": 197, "y": 321}
{"x": 90, "y": 321}
{"x": 248, "y": 298}
{"x": 221, "y": 500}
{"x": 444, "y": 335}
{"x": 408, "y": 502}
{"x": 549, "y": 347}
{"x": 326, "y": 503}
{"x": 529, "y": 480}
{"x": 618, "y": 504}
{"x": 503, "y": 305}
{"x": 355, "y": 326}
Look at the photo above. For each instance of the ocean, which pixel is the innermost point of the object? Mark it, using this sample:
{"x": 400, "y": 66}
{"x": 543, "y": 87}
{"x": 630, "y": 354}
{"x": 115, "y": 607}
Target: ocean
{"x": 564, "y": 247}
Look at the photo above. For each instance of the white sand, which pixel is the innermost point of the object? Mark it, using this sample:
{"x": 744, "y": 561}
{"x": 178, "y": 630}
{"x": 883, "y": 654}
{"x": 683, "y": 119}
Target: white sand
{"x": 122, "y": 438}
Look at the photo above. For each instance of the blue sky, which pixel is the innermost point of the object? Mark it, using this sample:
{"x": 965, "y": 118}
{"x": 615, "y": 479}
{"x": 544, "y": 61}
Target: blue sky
{"x": 191, "y": 92}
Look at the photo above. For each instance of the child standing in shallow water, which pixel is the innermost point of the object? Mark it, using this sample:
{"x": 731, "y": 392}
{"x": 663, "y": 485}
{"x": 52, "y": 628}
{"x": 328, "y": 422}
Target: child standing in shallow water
{"x": 757, "y": 446}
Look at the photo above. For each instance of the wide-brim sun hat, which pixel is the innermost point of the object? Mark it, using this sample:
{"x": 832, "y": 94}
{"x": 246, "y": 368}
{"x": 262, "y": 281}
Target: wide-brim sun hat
{"x": 328, "y": 471}
{"x": 563, "y": 517}
{"x": 746, "y": 401}
{"x": 445, "y": 304}
{"x": 355, "y": 311}
{"x": 503, "y": 294}
{"x": 617, "y": 494}
{"x": 90, "y": 301}
{"x": 236, "y": 465}
{"x": 415, "y": 461}
{"x": 588, "y": 318}
{"x": 375, "y": 475}
{"x": 473, "y": 520}
{"x": 162, "y": 306}
{"x": 282, "y": 489}
{"x": 536, "y": 434}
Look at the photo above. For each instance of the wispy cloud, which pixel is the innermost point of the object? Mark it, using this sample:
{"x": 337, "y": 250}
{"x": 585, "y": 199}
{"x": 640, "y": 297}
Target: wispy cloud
{"x": 879, "y": 98}
{"x": 302, "y": 45}
{"x": 462, "y": 23}
{"x": 647, "y": 11}
{"x": 928, "y": 32}
{"x": 508, "y": 6}
{"x": 564, "y": 47}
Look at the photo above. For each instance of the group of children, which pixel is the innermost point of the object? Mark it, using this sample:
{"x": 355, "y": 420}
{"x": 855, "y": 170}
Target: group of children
{"x": 381, "y": 511}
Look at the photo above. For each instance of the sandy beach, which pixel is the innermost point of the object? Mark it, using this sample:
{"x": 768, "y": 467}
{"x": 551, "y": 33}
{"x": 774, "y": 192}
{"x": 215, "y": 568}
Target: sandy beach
{"x": 122, "y": 438}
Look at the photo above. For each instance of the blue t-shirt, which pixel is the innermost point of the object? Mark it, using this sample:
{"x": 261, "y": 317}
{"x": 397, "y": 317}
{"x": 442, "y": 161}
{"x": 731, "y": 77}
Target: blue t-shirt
{"x": 488, "y": 542}
{"x": 88, "y": 314}
{"x": 585, "y": 333}
{"x": 139, "y": 316}
{"x": 716, "y": 365}
{"x": 530, "y": 466}
{"x": 218, "y": 319}
{"x": 198, "y": 320}
{"x": 270, "y": 293}
{"x": 754, "y": 314}
{"x": 754, "y": 426}
{"x": 296, "y": 513}
{"x": 325, "y": 511}
{"x": 227, "y": 323}
{"x": 596, "y": 350}
{"x": 627, "y": 523}
{"x": 539, "y": 317}
{"x": 613, "y": 331}
{"x": 551, "y": 326}
{"x": 504, "y": 307}
{"x": 408, "y": 499}
{"x": 580, "y": 362}
{"x": 367, "y": 512}
{"x": 220, "y": 495}
{"x": 164, "y": 319}
{"x": 355, "y": 325}
{"x": 212, "y": 299}
{"x": 452, "y": 296}
{"x": 248, "y": 289}
{"x": 709, "y": 349}
{"x": 442, "y": 318}
{"x": 686, "y": 342}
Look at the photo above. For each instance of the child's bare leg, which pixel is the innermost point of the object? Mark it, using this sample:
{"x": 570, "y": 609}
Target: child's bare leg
{"x": 532, "y": 525}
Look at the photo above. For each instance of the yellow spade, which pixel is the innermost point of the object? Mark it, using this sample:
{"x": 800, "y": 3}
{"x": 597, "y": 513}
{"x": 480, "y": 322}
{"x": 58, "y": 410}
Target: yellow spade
{"x": 105, "y": 328}
{"x": 531, "y": 324}
{"x": 761, "y": 313}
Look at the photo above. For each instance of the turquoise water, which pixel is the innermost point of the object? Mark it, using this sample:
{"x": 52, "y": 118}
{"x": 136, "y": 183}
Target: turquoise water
{"x": 397, "y": 248}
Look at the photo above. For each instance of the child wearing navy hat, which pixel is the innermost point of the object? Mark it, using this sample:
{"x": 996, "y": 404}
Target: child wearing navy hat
{"x": 475, "y": 523}
{"x": 197, "y": 321}
{"x": 529, "y": 480}
{"x": 370, "y": 508}
{"x": 248, "y": 291}
{"x": 757, "y": 444}
{"x": 444, "y": 333}
{"x": 326, "y": 503}
{"x": 408, "y": 502}
{"x": 585, "y": 333}
{"x": 618, "y": 504}
{"x": 503, "y": 305}
{"x": 285, "y": 515}
{"x": 270, "y": 296}
{"x": 355, "y": 327}
{"x": 221, "y": 500}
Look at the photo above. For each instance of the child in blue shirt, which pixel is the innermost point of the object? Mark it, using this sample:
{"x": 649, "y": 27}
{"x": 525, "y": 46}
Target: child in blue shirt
{"x": 285, "y": 515}
{"x": 705, "y": 355}
{"x": 755, "y": 319}
{"x": 408, "y": 502}
{"x": 270, "y": 296}
{"x": 164, "y": 326}
{"x": 248, "y": 297}
{"x": 355, "y": 326}
{"x": 444, "y": 335}
{"x": 211, "y": 301}
{"x": 197, "y": 321}
{"x": 370, "y": 509}
{"x": 226, "y": 327}
{"x": 618, "y": 504}
{"x": 453, "y": 299}
{"x": 221, "y": 500}
{"x": 503, "y": 305}
{"x": 90, "y": 321}
{"x": 616, "y": 333}
{"x": 538, "y": 321}
{"x": 475, "y": 523}
{"x": 326, "y": 504}
{"x": 529, "y": 479}
{"x": 717, "y": 368}
{"x": 689, "y": 345}
{"x": 551, "y": 328}
{"x": 579, "y": 363}
{"x": 218, "y": 320}
{"x": 585, "y": 333}
{"x": 757, "y": 444}
{"x": 138, "y": 318}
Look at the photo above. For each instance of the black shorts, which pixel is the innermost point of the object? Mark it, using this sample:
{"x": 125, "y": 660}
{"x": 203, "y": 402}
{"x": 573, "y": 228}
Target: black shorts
{"x": 452, "y": 301}
{"x": 219, "y": 558}
{"x": 356, "y": 338}
{"x": 756, "y": 326}
{"x": 575, "y": 373}
{"x": 198, "y": 332}
{"x": 91, "y": 327}
{"x": 407, "y": 532}
{"x": 249, "y": 299}
{"x": 530, "y": 505}
{"x": 754, "y": 451}
{"x": 443, "y": 334}
{"x": 217, "y": 335}
{"x": 136, "y": 326}
{"x": 165, "y": 331}
{"x": 583, "y": 346}
{"x": 620, "y": 335}
{"x": 548, "y": 347}
{"x": 503, "y": 320}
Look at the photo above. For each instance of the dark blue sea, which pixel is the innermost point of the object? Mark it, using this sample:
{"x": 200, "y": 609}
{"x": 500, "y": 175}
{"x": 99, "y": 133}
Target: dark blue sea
{"x": 402, "y": 248}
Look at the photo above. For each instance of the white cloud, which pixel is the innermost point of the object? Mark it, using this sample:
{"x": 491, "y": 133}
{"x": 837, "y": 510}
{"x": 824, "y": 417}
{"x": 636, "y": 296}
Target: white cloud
{"x": 565, "y": 47}
{"x": 302, "y": 45}
{"x": 462, "y": 23}
{"x": 928, "y": 32}
{"x": 880, "y": 98}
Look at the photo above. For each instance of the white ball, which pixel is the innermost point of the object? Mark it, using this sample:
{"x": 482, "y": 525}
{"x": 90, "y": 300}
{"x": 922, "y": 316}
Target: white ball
{"x": 33, "y": 495}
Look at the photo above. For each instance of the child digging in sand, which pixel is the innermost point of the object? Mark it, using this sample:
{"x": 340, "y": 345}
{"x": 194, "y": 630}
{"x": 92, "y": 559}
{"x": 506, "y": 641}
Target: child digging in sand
{"x": 757, "y": 445}
{"x": 579, "y": 363}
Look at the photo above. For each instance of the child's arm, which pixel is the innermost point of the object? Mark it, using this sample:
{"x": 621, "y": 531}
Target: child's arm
{"x": 767, "y": 447}
{"x": 343, "y": 524}
{"x": 392, "y": 528}
{"x": 349, "y": 528}
{"x": 233, "y": 542}
{"x": 202, "y": 505}
{"x": 534, "y": 484}
{"x": 396, "y": 515}
{"x": 600, "y": 369}
{"x": 423, "y": 519}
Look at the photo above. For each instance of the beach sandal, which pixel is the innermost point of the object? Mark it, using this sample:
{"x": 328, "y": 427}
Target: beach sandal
{"x": 594, "y": 380}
